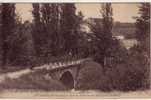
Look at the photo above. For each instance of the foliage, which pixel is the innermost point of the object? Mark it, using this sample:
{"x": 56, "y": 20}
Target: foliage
{"x": 81, "y": 46}
{"x": 107, "y": 19}
{"x": 139, "y": 56}
{"x": 91, "y": 76}
{"x": 55, "y": 34}
{"x": 128, "y": 70}
{"x": 143, "y": 26}
{"x": 143, "y": 37}
{"x": 102, "y": 33}
{"x": 7, "y": 26}
{"x": 23, "y": 46}
{"x": 0, "y": 35}
{"x": 46, "y": 29}
{"x": 16, "y": 39}
{"x": 37, "y": 28}
{"x": 68, "y": 28}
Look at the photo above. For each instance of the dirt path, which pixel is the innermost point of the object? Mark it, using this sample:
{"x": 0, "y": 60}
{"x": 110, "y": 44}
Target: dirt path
{"x": 14, "y": 75}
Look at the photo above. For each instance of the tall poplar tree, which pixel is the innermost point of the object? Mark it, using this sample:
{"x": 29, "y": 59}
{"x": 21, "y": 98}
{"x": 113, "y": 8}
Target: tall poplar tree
{"x": 107, "y": 23}
{"x": 50, "y": 22}
{"x": 103, "y": 33}
{"x": 8, "y": 23}
{"x": 46, "y": 29}
{"x": 37, "y": 28}
{"x": 68, "y": 24}
{"x": 54, "y": 26}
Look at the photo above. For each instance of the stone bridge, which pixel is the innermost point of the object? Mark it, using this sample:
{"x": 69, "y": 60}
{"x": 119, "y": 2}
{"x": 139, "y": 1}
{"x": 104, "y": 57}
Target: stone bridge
{"x": 65, "y": 72}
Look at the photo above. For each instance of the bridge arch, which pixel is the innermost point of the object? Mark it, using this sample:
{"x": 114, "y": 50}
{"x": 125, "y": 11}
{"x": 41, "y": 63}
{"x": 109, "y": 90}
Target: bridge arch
{"x": 67, "y": 79}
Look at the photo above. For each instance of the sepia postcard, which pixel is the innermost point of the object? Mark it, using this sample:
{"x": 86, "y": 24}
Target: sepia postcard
{"x": 75, "y": 50}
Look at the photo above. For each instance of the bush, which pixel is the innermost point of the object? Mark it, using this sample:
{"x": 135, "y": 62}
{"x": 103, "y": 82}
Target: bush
{"x": 140, "y": 61}
{"x": 130, "y": 72}
{"x": 91, "y": 76}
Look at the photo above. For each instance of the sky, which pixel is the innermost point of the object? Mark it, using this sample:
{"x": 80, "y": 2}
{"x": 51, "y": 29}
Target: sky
{"x": 123, "y": 12}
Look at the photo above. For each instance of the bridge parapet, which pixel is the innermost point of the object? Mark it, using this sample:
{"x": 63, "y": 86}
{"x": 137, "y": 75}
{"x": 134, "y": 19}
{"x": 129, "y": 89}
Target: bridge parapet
{"x": 56, "y": 65}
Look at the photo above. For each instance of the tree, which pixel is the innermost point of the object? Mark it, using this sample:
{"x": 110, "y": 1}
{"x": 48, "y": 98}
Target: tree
{"x": 102, "y": 33}
{"x": 8, "y": 23}
{"x": 68, "y": 24}
{"x": 24, "y": 41}
{"x": 42, "y": 28}
{"x": 0, "y": 35}
{"x": 37, "y": 28}
{"x": 79, "y": 22}
{"x": 97, "y": 40}
{"x": 21, "y": 45}
{"x": 46, "y": 30}
{"x": 82, "y": 45}
{"x": 143, "y": 26}
{"x": 55, "y": 34}
{"x": 107, "y": 14}
{"x": 107, "y": 24}
{"x": 59, "y": 29}
{"x": 14, "y": 43}
{"x": 143, "y": 38}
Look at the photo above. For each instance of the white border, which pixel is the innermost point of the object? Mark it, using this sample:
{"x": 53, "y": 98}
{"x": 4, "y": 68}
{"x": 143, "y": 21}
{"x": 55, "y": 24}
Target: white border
{"x": 73, "y": 1}
{"x": 70, "y": 1}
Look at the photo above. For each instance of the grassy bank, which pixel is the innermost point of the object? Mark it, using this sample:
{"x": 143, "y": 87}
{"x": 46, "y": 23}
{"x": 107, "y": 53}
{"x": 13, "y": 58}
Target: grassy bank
{"x": 33, "y": 81}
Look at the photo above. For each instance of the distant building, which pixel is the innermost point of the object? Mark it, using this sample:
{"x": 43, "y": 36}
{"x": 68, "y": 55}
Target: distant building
{"x": 120, "y": 31}
{"x": 85, "y": 26}
{"x": 128, "y": 43}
